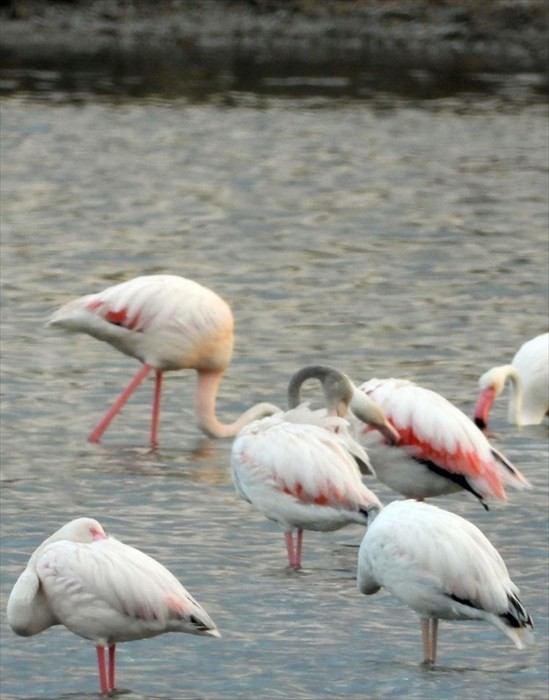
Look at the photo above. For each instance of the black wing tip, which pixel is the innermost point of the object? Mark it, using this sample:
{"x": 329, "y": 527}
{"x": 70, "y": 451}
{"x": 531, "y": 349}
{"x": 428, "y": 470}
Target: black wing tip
{"x": 517, "y": 616}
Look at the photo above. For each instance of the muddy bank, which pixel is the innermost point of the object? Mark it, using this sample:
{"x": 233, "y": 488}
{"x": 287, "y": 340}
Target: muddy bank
{"x": 333, "y": 37}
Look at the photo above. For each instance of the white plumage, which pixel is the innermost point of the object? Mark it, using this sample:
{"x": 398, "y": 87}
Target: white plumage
{"x": 443, "y": 567}
{"x": 102, "y": 590}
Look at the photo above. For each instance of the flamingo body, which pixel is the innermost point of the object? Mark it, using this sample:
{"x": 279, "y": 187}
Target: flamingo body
{"x": 298, "y": 471}
{"x": 528, "y": 379}
{"x": 443, "y": 567}
{"x": 167, "y": 323}
{"x": 102, "y": 590}
{"x": 439, "y": 449}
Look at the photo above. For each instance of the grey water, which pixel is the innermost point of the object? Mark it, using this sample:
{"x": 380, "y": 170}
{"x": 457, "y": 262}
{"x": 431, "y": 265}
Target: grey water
{"x": 386, "y": 234}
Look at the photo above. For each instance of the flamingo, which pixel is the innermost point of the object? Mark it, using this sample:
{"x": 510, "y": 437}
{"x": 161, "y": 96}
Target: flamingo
{"x": 528, "y": 377}
{"x": 439, "y": 450}
{"x": 102, "y": 590}
{"x": 299, "y": 468}
{"x": 167, "y": 323}
{"x": 423, "y": 446}
{"x": 443, "y": 567}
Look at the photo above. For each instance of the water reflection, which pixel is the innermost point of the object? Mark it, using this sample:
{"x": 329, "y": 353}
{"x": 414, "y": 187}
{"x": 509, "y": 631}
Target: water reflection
{"x": 75, "y": 78}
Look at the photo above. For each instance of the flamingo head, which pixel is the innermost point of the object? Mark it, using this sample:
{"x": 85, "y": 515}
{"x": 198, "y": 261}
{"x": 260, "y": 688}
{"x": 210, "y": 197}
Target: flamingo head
{"x": 491, "y": 385}
{"x": 80, "y": 530}
{"x": 370, "y": 412}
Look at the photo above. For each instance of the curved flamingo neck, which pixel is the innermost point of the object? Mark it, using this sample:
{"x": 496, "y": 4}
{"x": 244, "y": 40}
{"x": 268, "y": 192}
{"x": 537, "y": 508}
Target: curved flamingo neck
{"x": 205, "y": 402}
{"x": 514, "y": 411}
{"x": 341, "y": 395}
{"x": 337, "y": 388}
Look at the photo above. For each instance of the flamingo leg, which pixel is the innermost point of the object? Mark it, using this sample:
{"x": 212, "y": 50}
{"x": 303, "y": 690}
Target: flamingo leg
{"x": 156, "y": 407}
{"x": 102, "y": 669}
{"x": 97, "y": 432}
{"x": 426, "y": 634}
{"x": 434, "y": 634}
{"x": 290, "y": 549}
{"x": 112, "y": 652}
{"x": 298, "y": 548}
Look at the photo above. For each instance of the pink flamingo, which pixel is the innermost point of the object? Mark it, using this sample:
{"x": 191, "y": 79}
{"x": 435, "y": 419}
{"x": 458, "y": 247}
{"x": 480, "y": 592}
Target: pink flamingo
{"x": 528, "y": 376}
{"x": 167, "y": 323}
{"x": 422, "y": 445}
{"x": 439, "y": 449}
{"x": 443, "y": 567}
{"x": 300, "y": 468}
{"x": 102, "y": 590}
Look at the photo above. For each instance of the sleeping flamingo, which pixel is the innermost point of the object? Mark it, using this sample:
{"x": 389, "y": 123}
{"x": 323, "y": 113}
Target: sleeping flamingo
{"x": 443, "y": 567}
{"x": 299, "y": 468}
{"x": 167, "y": 323}
{"x": 102, "y": 590}
{"x": 528, "y": 377}
{"x": 437, "y": 449}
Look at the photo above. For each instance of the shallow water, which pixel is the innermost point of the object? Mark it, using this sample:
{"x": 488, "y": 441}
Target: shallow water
{"x": 389, "y": 237}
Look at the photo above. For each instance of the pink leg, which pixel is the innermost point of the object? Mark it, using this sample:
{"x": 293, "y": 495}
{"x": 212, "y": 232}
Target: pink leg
{"x": 429, "y": 630}
{"x": 97, "y": 432}
{"x": 156, "y": 408}
{"x": 112, "y": 650}
{"x": 434, "y": 635}
{"x": 425, "y": 633}
{"x": 298, "y": 548}
{"x": 290, "y": 549}
{"x": 102, "y": 670}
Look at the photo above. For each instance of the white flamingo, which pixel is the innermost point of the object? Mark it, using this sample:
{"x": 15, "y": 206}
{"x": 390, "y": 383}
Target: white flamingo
{"x": 443, "y": 567}
{"x": 528, "y": 379}
{"x": 299, "y": 468}
{"x": 102, "y": 590}
{"x": 167, "y": 323}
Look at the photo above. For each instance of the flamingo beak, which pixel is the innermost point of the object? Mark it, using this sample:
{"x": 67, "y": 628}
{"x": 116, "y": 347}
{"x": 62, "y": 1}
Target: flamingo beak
{"x": 368, "y": 411}
{"x": 482, "y": 409}
{"x": 390, "y": 433}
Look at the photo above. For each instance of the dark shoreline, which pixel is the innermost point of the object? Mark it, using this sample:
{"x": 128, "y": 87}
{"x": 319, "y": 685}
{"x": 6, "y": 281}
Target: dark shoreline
{"x": 443, "y": 40}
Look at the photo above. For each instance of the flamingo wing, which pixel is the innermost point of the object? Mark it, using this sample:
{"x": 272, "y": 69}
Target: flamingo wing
{"x": 335, "y": 424}
{"x": 306, "y": 462}
{"x": 438, "y": 563}
{"x": 441, "y": 566}
{"x": 169, "y": 322}
{"x": 434, "y": 431}
{"x": 107, "y": 590}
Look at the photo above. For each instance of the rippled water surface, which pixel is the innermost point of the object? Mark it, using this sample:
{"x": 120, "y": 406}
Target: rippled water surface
{"x": 390, "y": 237}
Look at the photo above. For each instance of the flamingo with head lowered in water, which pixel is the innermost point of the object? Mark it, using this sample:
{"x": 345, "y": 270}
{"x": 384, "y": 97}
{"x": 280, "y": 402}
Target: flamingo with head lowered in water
{"x": 528, "y": 379}
{"x": 167, "y": 323}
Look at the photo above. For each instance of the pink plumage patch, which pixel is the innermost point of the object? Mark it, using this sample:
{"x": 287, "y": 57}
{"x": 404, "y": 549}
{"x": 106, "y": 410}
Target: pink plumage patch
{"x": 466, "y": 462}
{"x": 121, "y": 318}
{"x": 176, "y": 605}
{"x": 332, "y": 495}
